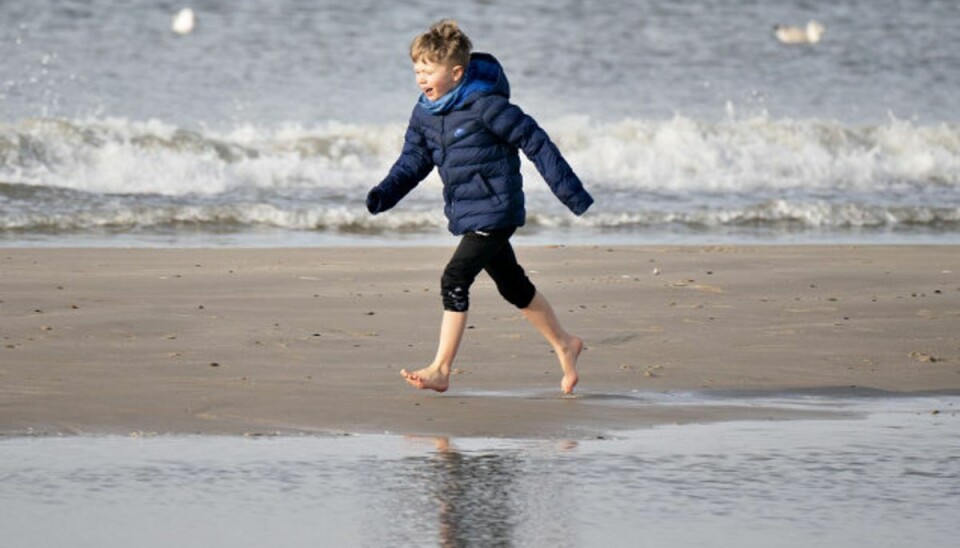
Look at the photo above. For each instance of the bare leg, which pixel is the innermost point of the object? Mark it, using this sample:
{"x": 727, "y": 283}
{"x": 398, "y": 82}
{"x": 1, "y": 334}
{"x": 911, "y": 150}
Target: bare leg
{"x": 567, "y": 346}
{"x": 436, "y": 376}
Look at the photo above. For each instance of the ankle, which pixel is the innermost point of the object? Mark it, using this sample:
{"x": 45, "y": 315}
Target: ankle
{"x": 442, "y": 368}
{"x": 568, "y": 342}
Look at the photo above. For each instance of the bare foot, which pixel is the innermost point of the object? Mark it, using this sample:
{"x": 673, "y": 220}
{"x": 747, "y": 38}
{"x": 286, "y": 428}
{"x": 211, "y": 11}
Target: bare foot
{"x": 568, "y": 361}
{"x": 427, "y": 378}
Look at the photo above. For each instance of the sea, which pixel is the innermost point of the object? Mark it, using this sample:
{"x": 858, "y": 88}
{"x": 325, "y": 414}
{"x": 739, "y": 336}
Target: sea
{"x": 689, "y": 122}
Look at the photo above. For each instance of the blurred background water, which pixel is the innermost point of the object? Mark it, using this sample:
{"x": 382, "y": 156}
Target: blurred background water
{"x": 689, "y": 122}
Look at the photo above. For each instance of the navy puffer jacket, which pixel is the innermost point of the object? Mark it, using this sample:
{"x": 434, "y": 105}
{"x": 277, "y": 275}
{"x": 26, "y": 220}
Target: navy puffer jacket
{"x": 474, "y": 145}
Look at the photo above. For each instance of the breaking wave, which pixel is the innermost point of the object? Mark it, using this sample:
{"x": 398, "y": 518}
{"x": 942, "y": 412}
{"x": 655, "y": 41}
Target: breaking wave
{"x": 67, "y": 176}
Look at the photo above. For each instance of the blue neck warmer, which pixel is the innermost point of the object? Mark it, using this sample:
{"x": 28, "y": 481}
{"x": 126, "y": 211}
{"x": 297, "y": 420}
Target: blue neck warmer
{"x": 446, "y": 103}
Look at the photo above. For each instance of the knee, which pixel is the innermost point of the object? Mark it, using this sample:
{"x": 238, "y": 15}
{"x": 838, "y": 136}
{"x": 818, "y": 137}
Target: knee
{"x": 519, "y": 292}
{"x": 455, "y": 293}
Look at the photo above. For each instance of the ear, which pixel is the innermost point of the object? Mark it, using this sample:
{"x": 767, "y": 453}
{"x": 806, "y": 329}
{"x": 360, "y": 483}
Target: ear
{"x": 457, "y": 73}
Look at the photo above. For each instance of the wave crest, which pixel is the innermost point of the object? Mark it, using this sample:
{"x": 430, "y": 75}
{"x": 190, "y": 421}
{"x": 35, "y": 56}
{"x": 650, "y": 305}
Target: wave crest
{"x": 680, "y": 154}
{"x": 758, "y": 153}
{"x": 68, "y": 176}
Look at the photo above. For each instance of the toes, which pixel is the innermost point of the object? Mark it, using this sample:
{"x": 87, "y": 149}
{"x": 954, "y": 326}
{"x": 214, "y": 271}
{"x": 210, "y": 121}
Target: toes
{"x": 412, "y": 378}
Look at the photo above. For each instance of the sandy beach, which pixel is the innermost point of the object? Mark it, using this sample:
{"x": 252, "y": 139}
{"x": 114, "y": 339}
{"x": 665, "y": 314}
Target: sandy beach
{"x": 310, "y": 340}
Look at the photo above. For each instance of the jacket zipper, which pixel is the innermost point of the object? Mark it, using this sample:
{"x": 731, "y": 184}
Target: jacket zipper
{"x": 443, "y": 156}
{"x": 443, "y": 139}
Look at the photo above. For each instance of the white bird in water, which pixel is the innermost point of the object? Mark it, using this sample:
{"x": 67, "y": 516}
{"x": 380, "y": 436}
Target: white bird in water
{"x": 809, "y": 34}
{"x": 184, "y": 21}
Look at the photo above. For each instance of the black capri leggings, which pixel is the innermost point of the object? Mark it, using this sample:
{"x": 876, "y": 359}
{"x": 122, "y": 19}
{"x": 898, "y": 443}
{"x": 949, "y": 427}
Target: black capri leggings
{"x": 490, "y": 251}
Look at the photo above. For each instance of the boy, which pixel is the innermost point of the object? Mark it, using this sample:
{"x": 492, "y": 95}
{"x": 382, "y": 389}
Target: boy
{"x": 465, "y": 125}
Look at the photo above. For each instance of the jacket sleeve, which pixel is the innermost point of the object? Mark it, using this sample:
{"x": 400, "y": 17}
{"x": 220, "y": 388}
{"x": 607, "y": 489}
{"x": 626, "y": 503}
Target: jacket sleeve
{"x": 511, "y": 124}
{"x": 413, "y": 165}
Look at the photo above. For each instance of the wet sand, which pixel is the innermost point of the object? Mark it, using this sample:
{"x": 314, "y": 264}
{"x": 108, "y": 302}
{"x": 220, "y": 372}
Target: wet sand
{"x": 259, "y": 341}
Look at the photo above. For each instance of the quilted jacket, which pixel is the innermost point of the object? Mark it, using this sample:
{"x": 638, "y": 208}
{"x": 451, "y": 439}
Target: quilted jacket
{"x": 474, "y": 145}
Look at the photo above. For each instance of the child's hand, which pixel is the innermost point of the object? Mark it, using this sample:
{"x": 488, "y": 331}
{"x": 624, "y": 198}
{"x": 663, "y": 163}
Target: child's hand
{"x": 374, "y": 200}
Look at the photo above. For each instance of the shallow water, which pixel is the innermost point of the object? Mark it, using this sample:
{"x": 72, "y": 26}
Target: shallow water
{"x": 888, "y": 477}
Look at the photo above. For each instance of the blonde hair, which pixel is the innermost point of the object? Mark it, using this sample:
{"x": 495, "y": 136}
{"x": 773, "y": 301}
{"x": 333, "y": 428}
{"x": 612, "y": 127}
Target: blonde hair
{"x": 444, "y": 43}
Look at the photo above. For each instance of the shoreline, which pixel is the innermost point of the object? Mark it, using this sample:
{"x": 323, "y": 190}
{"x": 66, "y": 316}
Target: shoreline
{"x": 311, "y": 340}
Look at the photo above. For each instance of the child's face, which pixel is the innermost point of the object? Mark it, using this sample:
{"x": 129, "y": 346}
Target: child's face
{"x": 436, "y": 79}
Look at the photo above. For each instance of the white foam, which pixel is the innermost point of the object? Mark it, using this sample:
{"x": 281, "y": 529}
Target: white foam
{"x": 65, "y": 175}
{"x": 120, "y": 156}
{"x": 759, "y": 153}
{"x": 680, "y": 154}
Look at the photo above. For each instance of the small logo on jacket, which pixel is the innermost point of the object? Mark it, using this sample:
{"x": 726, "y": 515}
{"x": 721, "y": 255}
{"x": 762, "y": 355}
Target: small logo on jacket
{"x": 459, "y": 132}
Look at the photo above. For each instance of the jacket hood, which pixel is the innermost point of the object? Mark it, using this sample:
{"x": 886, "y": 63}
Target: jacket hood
{"x": 484, "y": 77}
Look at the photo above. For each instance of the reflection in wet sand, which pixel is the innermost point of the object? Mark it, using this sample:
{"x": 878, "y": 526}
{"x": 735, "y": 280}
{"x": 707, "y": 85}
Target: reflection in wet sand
{"x": 465, "y": 497}
{"x": 473, "y": 493}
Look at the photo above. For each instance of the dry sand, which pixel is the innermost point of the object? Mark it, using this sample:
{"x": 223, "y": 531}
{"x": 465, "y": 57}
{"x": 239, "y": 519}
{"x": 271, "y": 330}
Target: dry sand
{"x": 113, "y": 341}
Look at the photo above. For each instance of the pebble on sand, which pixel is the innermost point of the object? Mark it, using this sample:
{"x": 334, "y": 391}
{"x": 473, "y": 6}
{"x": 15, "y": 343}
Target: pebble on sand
{"x": 924, "y": 357}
